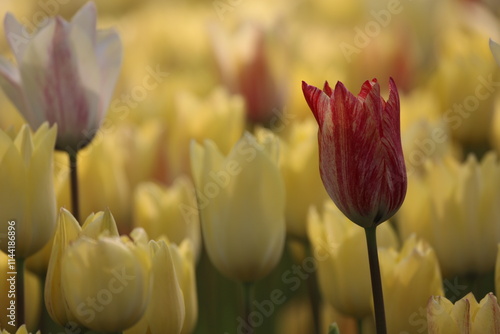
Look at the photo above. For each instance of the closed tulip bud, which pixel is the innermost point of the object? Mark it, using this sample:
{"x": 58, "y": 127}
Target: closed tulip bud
{"x": 465, "y": 316}
{"x": 184, "y": 262}
{"x": 454, "y": 206}
{"x": 68, "y": 231}
{"x": 27, "y": 197}
{"x": 65, "y": 75}
{"x": 21, "y": 330}
{"x": 361, "y": 158}
{"x": 409, "y": 278}
{"x": 341, "y": 254}
{"x": 299, "y": 166}
{"x": 172, "y": 212}
{"x": 165, "y": 312}
{"x": 105, "y": 282}
{"x": 219, "y": 117}
{"x": 241, "y": 198}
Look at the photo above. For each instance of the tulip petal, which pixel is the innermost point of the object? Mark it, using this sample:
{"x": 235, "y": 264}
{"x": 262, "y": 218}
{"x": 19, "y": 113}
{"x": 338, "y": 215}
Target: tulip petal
{"x": 17, "y": 36}
{"x": 109, "y": 57}
{"x": 85, "y": 19}
{"x": 495, "y": 50}
{"x": 317, "y": 100}
{"x": 10, "y": 81}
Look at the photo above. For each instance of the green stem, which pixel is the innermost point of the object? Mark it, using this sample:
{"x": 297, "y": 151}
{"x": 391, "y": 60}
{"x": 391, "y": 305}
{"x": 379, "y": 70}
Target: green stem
{"x": 73, "y": 163}
{"x": 360, "y": 326}
{"x": 378, "y": 296}
{"x": 20, "y": 292}
{"x": 314, "y": 296}
{"x": 248, "y": 297}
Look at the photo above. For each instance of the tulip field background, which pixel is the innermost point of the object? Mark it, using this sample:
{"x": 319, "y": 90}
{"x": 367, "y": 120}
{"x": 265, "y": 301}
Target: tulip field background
{"x": 194, "y": 70}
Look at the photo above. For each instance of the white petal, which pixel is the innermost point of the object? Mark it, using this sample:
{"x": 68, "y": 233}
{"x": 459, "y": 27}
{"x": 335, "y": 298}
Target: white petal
{"x": 109, "y": 57}
{"x": 85, "y": 19}
{"x": 17, "y": 35}
{"x": 10, "y": 81}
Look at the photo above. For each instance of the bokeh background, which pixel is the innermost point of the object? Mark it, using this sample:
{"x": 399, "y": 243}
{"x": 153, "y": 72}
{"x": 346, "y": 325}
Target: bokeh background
{"x": 213, "y": 69}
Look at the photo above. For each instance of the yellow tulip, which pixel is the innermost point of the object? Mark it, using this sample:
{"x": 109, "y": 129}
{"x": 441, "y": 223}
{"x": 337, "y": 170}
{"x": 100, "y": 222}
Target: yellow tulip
{"x": 21, "y": 330}
{"x": 105, "y": 282}
{"x": 409, "y": 278}
{"x": 219, "y": 117}
{"x": 172, "y": 212}
{"x": 27, "y": 197}
{"x": 165, "y": 312}
{"x": 339, "y": 249}
{"x": 299, "y": 165}
{"x": 68, "y": 231}
{"x": 184, "y": 262}
{"x": 465, "y": 316}
{"x": 241, "y": 198}
{"x": 453, "y": 205}
{"x": 464, "y": 80}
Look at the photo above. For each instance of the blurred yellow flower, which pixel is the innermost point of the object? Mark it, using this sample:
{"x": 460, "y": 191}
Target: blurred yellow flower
{"x": 20, "y": 330}
{"x": 172, "y": 212}
{"x": 339, "y": 248}
{"x": 465, "y": 316}
{"x": 27, "y": 198}
{"x": 165, "y": 312}
{"x": 300, "y": 168}
{"x": 219, "y": 117}
{"x": 241, "y": 198}
{"x": 102, "y": 179}
{"x": 409, "y": 278}
{"x": 464, "y": 81}
{"x": 454, "y": 206}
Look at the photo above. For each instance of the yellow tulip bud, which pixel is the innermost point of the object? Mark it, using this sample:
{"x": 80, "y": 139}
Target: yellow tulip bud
{"x": 21, "y": 330}
{"x": 241, "y": 198}
{"x": 184, "y": 262}
{"x": 465, "y": 316}
{"x": 409, "y": 278}
{"x": 165, "y": 312}
{"x": 172, "y": 212}
{"x": 339, "y": 247}
{"x": 220, "y": 117}
{"x": 116, "y": 289}
{"x": 27, "y": 198}
{"x": 454, "y": 206}
{"x": 69, "y": 230}
{"x": 300, "y": 168}
{"x": 33, "y": 296}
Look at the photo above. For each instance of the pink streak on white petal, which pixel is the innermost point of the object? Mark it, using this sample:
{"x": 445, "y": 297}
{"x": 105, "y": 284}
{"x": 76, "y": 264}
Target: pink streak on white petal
{"x": 64, "y": 99}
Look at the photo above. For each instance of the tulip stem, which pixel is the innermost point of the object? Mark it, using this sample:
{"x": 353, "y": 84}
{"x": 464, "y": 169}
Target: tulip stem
{"x": 73, "y": 163}
{"x": 20, "y": 292}
{"x": 248, "y": 296}
{"x": 378, "y": 296}
{"x": 314, "y": 296}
